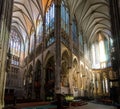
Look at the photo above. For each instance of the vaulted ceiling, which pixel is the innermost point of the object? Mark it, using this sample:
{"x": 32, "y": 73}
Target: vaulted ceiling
{"x": 92, "y": 16}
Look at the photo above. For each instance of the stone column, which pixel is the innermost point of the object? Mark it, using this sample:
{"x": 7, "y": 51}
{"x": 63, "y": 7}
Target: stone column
{"x": 58, "y": 53}
{"x": 71, "y": 57}
{"x": 100, "y": 90}
{"x": 57, "y": 45}
{"x": 5, "y": 23}
{"x": 95, "y": 87}
{"x": 27, "y": 62}
{"x": 42, "y": 90}
{"x": 115, "y": 28}
{"x": 70, "y": 41}
{"x": 34, "y": 65}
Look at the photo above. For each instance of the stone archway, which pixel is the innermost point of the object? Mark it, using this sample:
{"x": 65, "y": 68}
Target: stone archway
{"x": 29, "y": 82}
{"x": 25, "y": 83}
{"x": 50, "y": 79}
{"x": 75, "y": 78}
{"x": 37, "y": 79}
{"x": 65, "y": 69}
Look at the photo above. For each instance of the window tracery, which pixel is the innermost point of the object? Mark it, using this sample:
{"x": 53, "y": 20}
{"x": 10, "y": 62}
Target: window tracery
{"x": 74, "y": 30}
{"x": 50, "y": 18}
{"x": 15, "y": 43}
{"x": 64, "y": 18}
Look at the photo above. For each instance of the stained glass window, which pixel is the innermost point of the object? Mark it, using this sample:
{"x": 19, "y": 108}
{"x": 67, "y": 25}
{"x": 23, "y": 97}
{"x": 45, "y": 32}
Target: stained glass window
{"x": 64, "y": 18}
{"x": 50, "y": 18}
{"x": 74, "y": 30}
{"x": 102, "y": 48}
{"x": 102, "y": 51}
{"x": 15, "y": 43}
{"x": 39, "y": 31}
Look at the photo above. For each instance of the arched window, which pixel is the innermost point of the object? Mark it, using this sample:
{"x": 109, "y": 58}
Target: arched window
{"x": 50, "y": 18}
{"x": 100, "y": 50}
{"x": 39, "y": 31}
{"x": 64, "y": 18}
{"x": 15, "y": 43}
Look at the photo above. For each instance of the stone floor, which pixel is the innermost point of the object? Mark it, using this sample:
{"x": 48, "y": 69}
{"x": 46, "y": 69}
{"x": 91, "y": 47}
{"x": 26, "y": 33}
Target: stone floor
{"x": 87, "y": 106}
{"x": 94, "y": 106}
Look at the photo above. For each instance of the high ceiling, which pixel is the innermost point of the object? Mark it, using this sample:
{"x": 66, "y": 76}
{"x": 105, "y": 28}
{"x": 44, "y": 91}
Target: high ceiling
{"x": 92, "y": 16}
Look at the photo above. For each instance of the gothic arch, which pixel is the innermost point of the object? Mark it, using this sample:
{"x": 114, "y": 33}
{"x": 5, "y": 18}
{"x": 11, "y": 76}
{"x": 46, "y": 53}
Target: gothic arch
{"x": 75, "y": 73}
{"x": 50, "y": 77}
{"x": 75, "y": 63}
{"x": 37, "y": 79}
{"x": 29, "y": 81}
{"x": 85, "y": 81}
{"x": 65, "y": 61}
{"x": 65, "y": 68}
{"x": 48, "y": 55}
{"x": 89, "y": 83}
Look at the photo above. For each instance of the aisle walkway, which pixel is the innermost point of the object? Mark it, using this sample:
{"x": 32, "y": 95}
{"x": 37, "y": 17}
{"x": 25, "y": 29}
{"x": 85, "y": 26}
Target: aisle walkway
{"x": 88, "y": 106}
{"x": 95, "y": 106}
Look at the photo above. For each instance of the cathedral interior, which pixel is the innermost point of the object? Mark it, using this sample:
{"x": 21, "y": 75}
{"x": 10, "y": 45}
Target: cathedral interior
{"x": 50, "y": 47}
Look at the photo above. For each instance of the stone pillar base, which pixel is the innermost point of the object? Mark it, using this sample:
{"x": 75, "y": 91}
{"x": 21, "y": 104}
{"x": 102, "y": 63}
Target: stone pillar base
{"x": 1, "y": 106}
